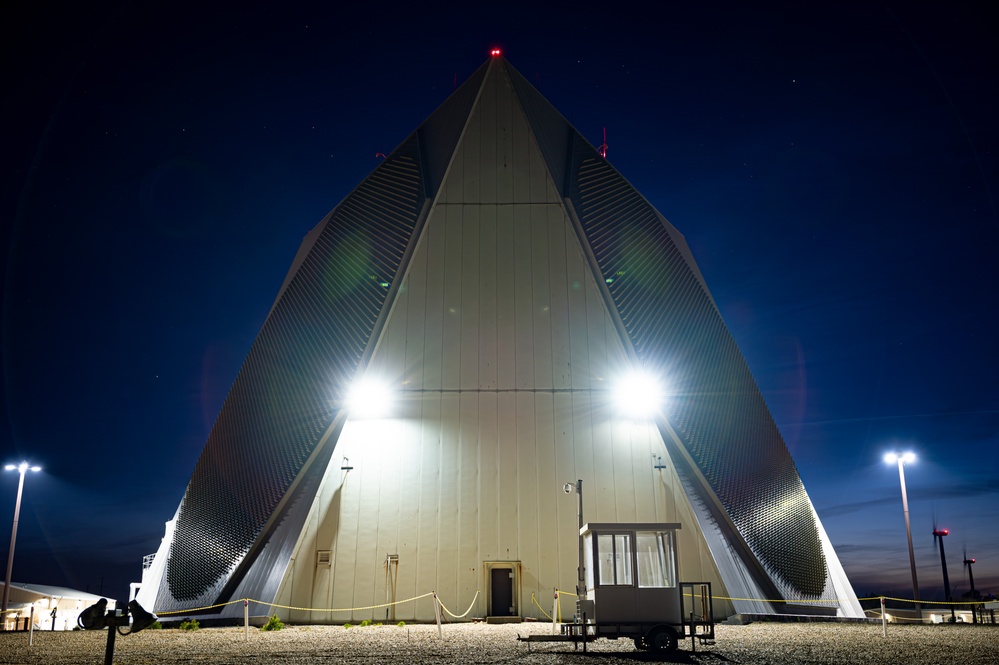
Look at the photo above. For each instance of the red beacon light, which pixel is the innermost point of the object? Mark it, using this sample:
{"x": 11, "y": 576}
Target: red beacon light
{"x": 495, "y": 52}
{"x": 941, "y": 532}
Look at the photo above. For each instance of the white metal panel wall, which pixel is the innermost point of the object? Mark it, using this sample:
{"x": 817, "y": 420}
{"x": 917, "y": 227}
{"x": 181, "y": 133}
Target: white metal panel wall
{"x": 503, "y": 350}
{"x": 427, "y": 486}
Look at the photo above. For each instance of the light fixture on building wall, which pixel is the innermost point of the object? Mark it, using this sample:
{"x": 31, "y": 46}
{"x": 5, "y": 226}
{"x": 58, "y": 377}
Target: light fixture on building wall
{"x": 369, "y": 398}
{"x": 638, "y": 395}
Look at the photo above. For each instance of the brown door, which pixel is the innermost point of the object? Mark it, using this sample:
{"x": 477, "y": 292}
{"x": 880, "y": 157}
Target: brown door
{"x": 502, "y": 592}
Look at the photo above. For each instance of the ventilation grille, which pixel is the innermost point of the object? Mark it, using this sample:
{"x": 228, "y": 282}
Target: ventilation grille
{"x": 718, "y": 410}
{"x": 284, "y": 398}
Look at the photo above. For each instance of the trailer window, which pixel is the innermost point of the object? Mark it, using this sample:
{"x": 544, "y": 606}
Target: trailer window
{"x": 655, "y": 560}
{"x": 614, "y": 556}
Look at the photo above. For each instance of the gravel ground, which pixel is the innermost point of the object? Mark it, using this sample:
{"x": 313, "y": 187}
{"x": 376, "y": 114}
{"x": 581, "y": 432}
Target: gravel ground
{"x": 758, "y": 643}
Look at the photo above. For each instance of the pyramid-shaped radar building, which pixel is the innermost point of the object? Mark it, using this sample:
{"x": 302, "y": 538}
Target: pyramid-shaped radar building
{"x": 499, "y": 275}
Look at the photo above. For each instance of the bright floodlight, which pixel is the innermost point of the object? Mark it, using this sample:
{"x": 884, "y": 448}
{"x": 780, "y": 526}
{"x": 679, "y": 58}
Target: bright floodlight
{"x": 638, "y": 395}
{"x": 907, "y": 457}
{"x": 22, "y": 467}
{"x": 369, "y": 398}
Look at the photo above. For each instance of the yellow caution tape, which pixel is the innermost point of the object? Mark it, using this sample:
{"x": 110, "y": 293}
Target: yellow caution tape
{"x": 343, "y": 609}
{"x": 292, "y": 607}
{"x": 535, "y": 600}
{"x": 459, "y": 616}
{"x": 196, "y": 609}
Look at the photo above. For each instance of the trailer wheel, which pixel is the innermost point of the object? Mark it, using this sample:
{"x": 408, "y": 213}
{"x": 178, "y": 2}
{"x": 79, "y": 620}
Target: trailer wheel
{"x": 661, "y": 639}
{"x": 641, "y": 644}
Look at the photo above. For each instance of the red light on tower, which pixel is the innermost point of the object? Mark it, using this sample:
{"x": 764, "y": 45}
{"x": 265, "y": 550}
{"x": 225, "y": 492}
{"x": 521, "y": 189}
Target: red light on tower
{"x": 495, "y": 52}
{"x": 941, "y": 532}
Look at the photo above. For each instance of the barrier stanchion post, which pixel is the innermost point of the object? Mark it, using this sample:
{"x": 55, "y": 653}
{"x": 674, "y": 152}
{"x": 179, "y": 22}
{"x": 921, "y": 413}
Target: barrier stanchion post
{"x": 554, "y": 611}
{"x": 246, "y": 620}
{"x": 437, "y": 613}
{"x": 884, "y": 619}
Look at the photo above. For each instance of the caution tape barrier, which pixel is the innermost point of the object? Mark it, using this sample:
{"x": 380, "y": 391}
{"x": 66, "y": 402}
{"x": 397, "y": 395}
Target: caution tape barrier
{"x": 460, "y": 616}
{"x": 333, "y": 610}
{"x": 164, "y": 613}
{"x": 299, "y": 609}
{"x": 535, "y": 601}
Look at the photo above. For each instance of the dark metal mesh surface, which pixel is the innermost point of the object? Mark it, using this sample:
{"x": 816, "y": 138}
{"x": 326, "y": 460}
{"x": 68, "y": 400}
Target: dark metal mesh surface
{"x": 289, "y": 388}
{"x": 716, "y": 406}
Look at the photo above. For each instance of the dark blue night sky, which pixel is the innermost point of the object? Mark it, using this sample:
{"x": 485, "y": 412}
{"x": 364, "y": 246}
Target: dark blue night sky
{"x": 834, "y": 171}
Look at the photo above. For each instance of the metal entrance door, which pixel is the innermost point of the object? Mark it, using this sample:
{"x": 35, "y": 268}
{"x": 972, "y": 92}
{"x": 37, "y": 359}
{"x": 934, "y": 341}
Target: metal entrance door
{"x": 501, "y": 583}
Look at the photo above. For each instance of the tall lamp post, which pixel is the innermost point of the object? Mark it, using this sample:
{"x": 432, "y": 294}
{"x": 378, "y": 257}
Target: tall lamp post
{"x": 902, "y": 459}
{"x": 22, "y": 468}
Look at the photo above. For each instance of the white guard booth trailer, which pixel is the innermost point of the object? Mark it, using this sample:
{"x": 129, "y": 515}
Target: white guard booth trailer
{"x": 630, "y": 588}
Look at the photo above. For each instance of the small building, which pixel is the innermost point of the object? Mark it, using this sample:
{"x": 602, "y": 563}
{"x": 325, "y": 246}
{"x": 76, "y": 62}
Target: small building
{"x": 55, "y": 607}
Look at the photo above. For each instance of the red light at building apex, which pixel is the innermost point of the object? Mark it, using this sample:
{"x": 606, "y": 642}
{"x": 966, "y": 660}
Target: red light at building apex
{"x": 495, "y": 52}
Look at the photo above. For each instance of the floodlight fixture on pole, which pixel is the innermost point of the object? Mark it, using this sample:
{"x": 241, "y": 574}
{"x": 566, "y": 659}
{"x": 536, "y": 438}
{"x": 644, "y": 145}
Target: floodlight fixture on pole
{"x": 902, "y": 459}
{"x": 22, "y": 468}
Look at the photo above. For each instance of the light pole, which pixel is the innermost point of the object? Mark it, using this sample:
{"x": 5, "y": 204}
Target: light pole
{"x": 22, "y": 468}
{"x": 903, "y": 459}
{"x": 580, "y": 568}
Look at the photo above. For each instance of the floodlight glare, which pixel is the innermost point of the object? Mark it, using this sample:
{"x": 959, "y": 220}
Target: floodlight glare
{"x": 901, "y": 459}
{"x": 906, "y": 457}
{"x": 638, "y": 395}
{"x": 369, "y": 398}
